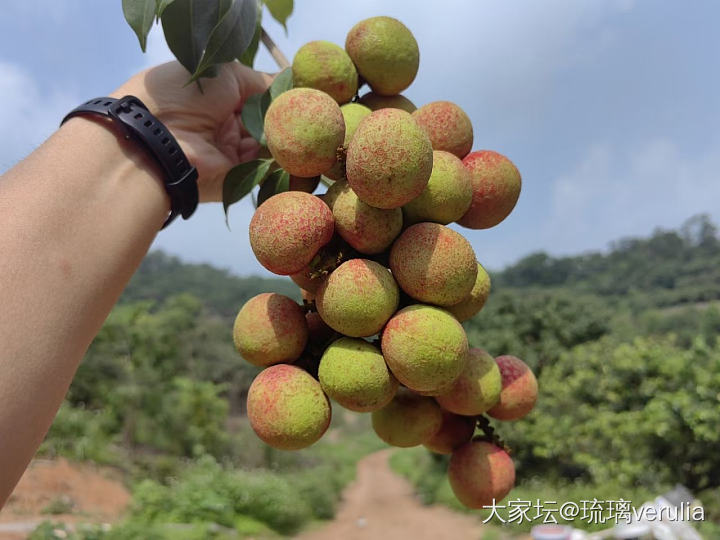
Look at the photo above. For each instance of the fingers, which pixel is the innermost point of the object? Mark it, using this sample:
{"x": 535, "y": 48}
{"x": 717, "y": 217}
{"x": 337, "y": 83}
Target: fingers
{"x": 250, "y": 81}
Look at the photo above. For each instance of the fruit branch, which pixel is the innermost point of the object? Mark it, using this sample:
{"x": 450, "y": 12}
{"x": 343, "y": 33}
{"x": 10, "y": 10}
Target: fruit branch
{"x": 273, "y": 49}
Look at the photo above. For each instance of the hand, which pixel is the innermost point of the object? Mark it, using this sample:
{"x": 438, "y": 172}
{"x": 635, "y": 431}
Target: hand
{"x": 206, "y": 123}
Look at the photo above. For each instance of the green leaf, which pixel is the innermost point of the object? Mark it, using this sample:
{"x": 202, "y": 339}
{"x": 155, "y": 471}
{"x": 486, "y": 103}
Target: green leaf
{"x": 240, "y": 181}
{"x": 187, "y": 25}
{"x": 248, "y": 57}
{"x": 161, "y": 5}
{"x": 277, "y": 182}
{"x": 280, "y": 10}
{"x": 253, "y": 115}
{"x": 282, "y": 83}
{"x": 140, "y": 15}
{"x": 231, "y": 36}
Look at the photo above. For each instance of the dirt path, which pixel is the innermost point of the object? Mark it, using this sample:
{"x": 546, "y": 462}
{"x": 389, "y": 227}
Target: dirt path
{"x": 380, "y": 504}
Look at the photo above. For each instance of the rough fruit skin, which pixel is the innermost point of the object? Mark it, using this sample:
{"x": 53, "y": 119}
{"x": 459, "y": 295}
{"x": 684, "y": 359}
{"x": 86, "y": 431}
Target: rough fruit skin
{"x": 425, "y": 347}
{"x": 408, "y": 420}
{"x": 353, "y": 113}
{"x": 480, "y": 472}
{"x": 358, "y": 298}
{"x": 304, "y": 128}
{"x": 389, "y": 159}
{"x": 385, "y": 53}
{"x": 368, "y": 229}
{"x": 454, "y": 431}
{"x": 306, "y": 223}
{"x": 376, "y": 101}
{"x": 448, "y": 193}
{"x": 496, "y": 189}
{"x": 434, "y": 264}
{"x": 448, "y": 127}
{"x": 476, "y": 389}
{"x": 325, "y": 66}
{"x": 474, "y": 302}
{"x": 354, "y": 373}
{"x": 519, "y": 389}
{"x": 287, "y": 407}
{"x": 269, "y": 329}
{"x": 308, "y": 185}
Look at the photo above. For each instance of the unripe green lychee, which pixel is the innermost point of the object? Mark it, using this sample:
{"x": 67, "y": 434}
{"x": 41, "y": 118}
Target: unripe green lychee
{"x": 455, "y": 431}
{"x": 519, "y": 389}
{"x": 288, "y": 229}
{"x": 425, "y": 347}
{"x": 448, "y": 127}
{"x": 385, "y": 53}
{"x": 354, "y": 373}
{"x": 287, "y": 407}
{"x": 308, "y": 185}
{"x": 304, "y": 128}
{"x": 448, "y": 193}
{"x": 474, "y": 302}
{"x": 358, "y": 298}
{"x": 479, "y": 472}
{"x": 389, "y": 159}
{"x": 408, "y": 420}
{"x": 476, "y": 389}
{"x": 270, "y": 328}
{"x": 366, "y": 228}
{"x": 353, "y": 113}
{"x": 496, "y": 189}
{"x": 376, "y": 101}
{"x": 434, "y": 264}
{"x": 325, "y": 66}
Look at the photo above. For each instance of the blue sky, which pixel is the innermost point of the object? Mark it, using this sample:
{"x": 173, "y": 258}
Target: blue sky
{"x": 610, "y": 109}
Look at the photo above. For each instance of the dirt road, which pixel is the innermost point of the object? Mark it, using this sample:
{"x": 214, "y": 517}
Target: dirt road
{"x": 381, "y": 505}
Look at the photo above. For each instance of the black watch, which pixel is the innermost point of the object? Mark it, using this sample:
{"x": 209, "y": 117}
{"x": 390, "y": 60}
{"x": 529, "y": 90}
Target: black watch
{"x": 180, "y": 177}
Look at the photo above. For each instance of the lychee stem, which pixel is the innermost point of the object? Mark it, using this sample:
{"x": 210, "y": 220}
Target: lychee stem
{"x": 488, "y": 434}
{"x": 280, "y": 59}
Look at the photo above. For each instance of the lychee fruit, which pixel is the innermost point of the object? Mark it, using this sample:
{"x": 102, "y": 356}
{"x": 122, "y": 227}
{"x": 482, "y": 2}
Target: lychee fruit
{"x": 425, "y": 347}
{"x": 474, "y": 302}
{"x": 479, "y": 473}
{"x": 476, "y": 389}
{"x": 287, "y": 407}
{"x": 353, "y": 113}
{"x": 519, "y": 389}
{"x": 448, "y": 127}
{"x": 305, "y": 280}
{"x": 308, "y": 185}
{"x": 455, "y": 431}
{"x": 408, "y": 420}
{"x": 368, "y": 229}
{"x": 434, "y": 264}
{"x": 358, "y": 298}
{"x": 353, "y": 373}
{"x": 448, "y": 193}
{"x": 269, "y": 329}
{"x": 385, "y": 53}
{"x": 376, "y": 101}
{"x": 325, "y": 66}
{"x": 496, "y": 188}
{"x": 304, "y": 128}
{"x": 288, "y": 229}
{"x": 389, "y": 159}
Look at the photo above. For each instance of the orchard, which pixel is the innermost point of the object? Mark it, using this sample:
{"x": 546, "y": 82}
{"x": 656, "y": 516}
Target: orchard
{"x": 386, "y": 283}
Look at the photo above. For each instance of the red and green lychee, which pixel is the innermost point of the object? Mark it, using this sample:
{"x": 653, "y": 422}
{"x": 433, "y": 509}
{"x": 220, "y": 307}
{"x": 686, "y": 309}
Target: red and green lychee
{"x": 434, "y": 264}
{"x": 325, "y": 66}
{"x": 376, "y": 101}
{"x": 304, "y": 128}
{"x": 496, "y": 189}
{"x": 448, "y": 127}
{"x": 358, "y": 298}
{"x": 408, "y": 420}
{"x": 389, "y": 159}
{"x": 481, "y": 473}
{"x": 385, "y": 53}
{"x": 477, "y": 388}
{"x": 519, "y": 389}
{"x": 455, "y": 431}
{"x": 425, "y": 347}
{"x": 288, "y": 229}
{"x": 474, "y": 302}
{"x": 354, "y": 374}
{"x": 287, "y": 408}
{"x": 269, "y": 329}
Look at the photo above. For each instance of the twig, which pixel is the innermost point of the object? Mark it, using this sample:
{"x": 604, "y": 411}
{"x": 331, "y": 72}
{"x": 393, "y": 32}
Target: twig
{"x": 276, "y": 53}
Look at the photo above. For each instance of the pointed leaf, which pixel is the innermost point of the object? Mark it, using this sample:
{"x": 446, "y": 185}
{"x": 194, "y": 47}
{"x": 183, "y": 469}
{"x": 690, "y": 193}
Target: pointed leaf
{"x": 140, "y": 15}
{"x": 253, "y": 115}
{"x": 282, "y": 83}
{"x": 280, "y": 10}
{"x": 240, "y": 181}
{"x": 187, "y": 25}
{"x": 248, "y": 57}
{"x": 276, "y": 182}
